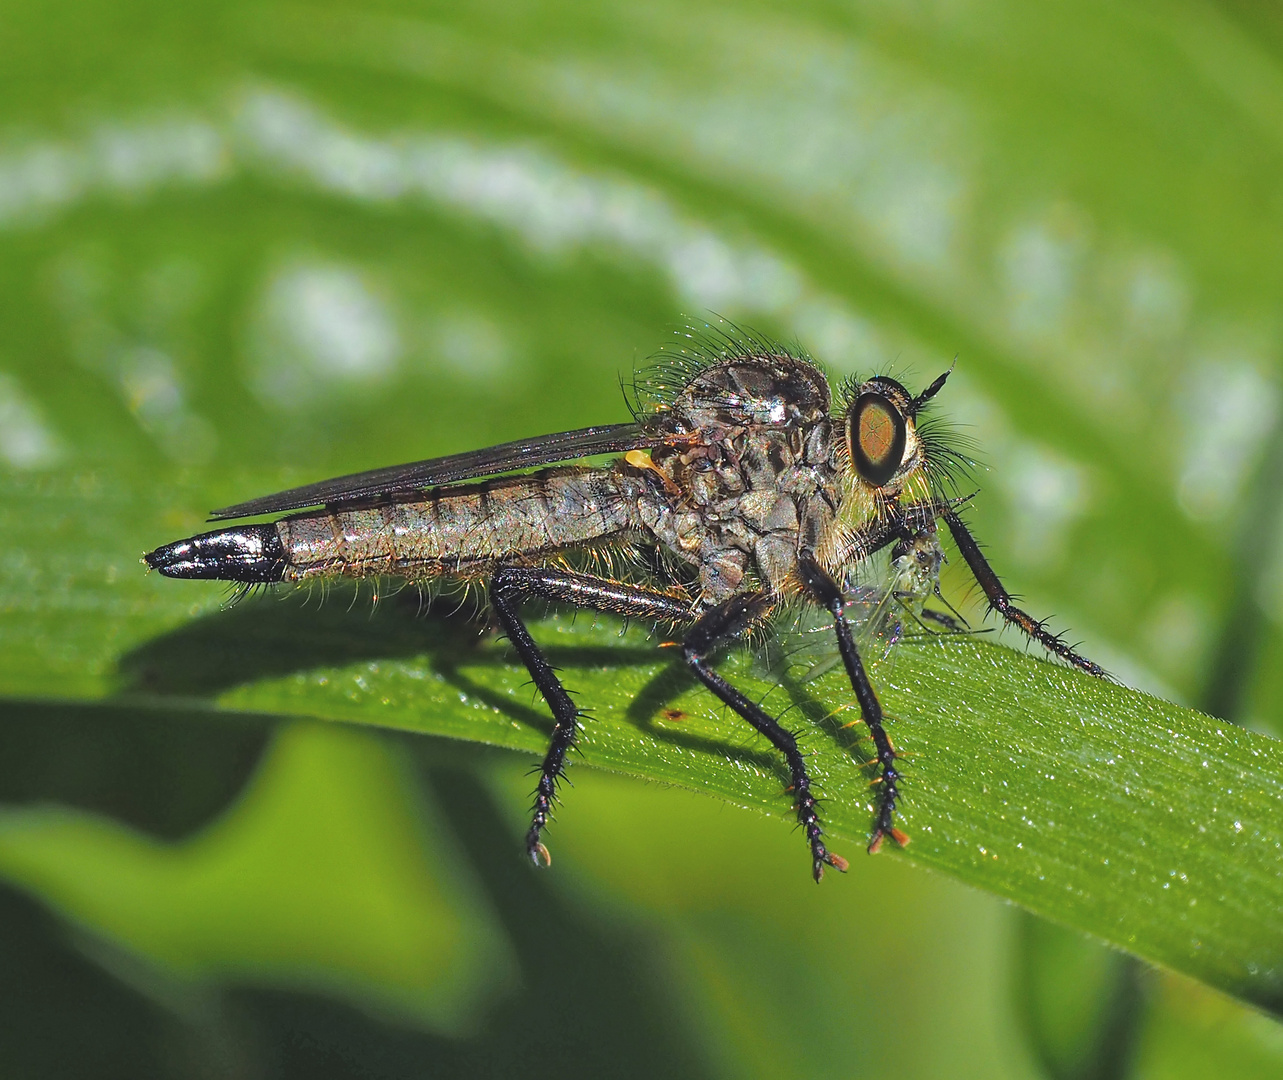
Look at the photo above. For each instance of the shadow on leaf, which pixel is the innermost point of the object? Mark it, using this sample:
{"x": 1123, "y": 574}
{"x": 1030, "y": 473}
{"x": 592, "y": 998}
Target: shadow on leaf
{"x": 274, "y": 636}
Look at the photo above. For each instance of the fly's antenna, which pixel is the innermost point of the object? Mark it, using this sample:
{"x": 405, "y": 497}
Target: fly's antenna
{"x": 931, "y": 390}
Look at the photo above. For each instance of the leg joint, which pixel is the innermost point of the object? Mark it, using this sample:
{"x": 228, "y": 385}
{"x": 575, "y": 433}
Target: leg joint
{"x": 819, "y": 584}
{"x": 510, "y": 583}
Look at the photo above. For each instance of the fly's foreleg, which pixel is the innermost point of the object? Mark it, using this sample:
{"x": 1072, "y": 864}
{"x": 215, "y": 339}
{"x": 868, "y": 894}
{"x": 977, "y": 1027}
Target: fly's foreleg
{"x": 729, "y": 620}
{"x": 509, "y": 587}
{"x": 1000, "y": 599}
{"x": 825, "y": 592}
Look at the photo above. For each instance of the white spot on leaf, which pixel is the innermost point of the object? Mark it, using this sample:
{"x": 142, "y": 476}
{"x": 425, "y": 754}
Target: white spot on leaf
{"x": 25, "y": 441}
{"x": 321, "y": 330}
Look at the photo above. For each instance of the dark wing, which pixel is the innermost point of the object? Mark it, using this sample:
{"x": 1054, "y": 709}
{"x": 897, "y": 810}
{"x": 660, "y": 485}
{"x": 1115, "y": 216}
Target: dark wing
{"x": 401, "y": 479}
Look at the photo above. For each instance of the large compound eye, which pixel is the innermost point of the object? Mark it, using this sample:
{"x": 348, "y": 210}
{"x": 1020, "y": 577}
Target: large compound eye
{"x": 875, "y": 434}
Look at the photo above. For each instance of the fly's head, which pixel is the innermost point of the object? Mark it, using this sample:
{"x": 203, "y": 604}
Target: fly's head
{"x": 888, "y": 456}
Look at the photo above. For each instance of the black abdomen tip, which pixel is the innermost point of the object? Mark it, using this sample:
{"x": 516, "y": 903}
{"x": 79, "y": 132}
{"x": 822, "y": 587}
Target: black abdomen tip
{"x": 249, "y": 553}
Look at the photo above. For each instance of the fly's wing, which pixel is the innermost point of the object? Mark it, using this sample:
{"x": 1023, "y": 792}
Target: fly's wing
{"x": 404, "y": 479}
{"x": 874, "y": 613}
{"x": 804, "y": 646}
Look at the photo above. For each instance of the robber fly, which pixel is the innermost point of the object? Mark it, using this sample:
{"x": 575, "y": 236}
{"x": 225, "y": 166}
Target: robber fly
{"x": 745, "y": 478}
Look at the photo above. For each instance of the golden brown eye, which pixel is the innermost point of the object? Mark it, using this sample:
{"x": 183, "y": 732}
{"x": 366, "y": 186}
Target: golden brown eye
{"x": 875, "y": 434}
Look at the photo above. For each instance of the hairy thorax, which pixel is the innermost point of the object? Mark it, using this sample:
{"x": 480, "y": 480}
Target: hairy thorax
{"x": 751, "y": 478}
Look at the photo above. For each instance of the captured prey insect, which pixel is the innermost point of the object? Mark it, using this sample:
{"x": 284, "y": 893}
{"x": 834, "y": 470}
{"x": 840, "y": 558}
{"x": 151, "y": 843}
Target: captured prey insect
{"x": 739, "y": 485}
{"x": 883, "y": 607}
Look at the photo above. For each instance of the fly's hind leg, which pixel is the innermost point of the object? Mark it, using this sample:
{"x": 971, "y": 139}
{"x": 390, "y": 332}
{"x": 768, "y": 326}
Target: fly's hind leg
{"x": 825, "y": 592}
{"x": 729, "y": 620}
{"x": 509, "y": 588}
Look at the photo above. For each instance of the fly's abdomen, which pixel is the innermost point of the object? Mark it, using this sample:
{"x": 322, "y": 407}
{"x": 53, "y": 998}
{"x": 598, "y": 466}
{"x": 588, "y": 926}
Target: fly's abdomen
{"x": 252, "y": 554}
{"x": 459, "y": 530}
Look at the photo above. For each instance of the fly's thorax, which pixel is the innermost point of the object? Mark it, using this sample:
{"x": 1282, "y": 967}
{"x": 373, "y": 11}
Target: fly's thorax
{"x": 736, "y": 500}
{"x": 750, "y": 391}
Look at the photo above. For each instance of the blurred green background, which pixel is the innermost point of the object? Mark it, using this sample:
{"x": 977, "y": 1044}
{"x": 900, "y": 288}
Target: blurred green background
{"x": 246, "y": 245}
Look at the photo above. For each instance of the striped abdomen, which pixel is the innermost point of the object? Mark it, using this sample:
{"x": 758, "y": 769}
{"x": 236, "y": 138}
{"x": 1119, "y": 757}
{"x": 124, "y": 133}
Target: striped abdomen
{"x": 462, "y": 529}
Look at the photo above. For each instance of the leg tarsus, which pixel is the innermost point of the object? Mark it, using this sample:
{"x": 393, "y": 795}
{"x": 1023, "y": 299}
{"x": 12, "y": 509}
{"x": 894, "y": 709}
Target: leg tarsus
{"x": 505, "y": 594}
{"x": 550, "y": 772}
{"x": 880, "y": 834}
{"x": 535, "y": 848}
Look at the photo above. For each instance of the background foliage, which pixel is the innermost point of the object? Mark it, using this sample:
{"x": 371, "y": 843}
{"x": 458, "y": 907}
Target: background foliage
{"x": 252, "y": 244}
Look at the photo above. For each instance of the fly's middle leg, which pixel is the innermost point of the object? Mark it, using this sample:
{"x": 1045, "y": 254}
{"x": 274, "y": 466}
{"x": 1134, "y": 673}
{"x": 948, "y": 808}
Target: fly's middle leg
{"x": 729, "y": 620}
{"x": 825, "y": 592}
{"x": 509, "y": 587}
{"x": 513, "y": 585}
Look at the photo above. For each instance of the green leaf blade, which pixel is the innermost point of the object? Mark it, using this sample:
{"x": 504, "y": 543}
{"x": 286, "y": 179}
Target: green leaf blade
{"x": 1148, "y": 825}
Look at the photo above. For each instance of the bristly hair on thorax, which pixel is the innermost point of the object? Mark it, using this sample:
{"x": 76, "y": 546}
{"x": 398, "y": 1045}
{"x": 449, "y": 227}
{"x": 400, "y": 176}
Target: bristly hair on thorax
{"x": 697, "y": 346}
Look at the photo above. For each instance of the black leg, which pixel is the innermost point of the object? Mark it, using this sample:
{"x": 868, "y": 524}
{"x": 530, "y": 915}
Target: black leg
{"x": 729, "y": 620}
{"x": 1000, "y": 599}
{"x": 825, "y": 592}
{"x": 903, "y": 524}
{"x": 509, "y": 587}
{"x": 951, "y": 624}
